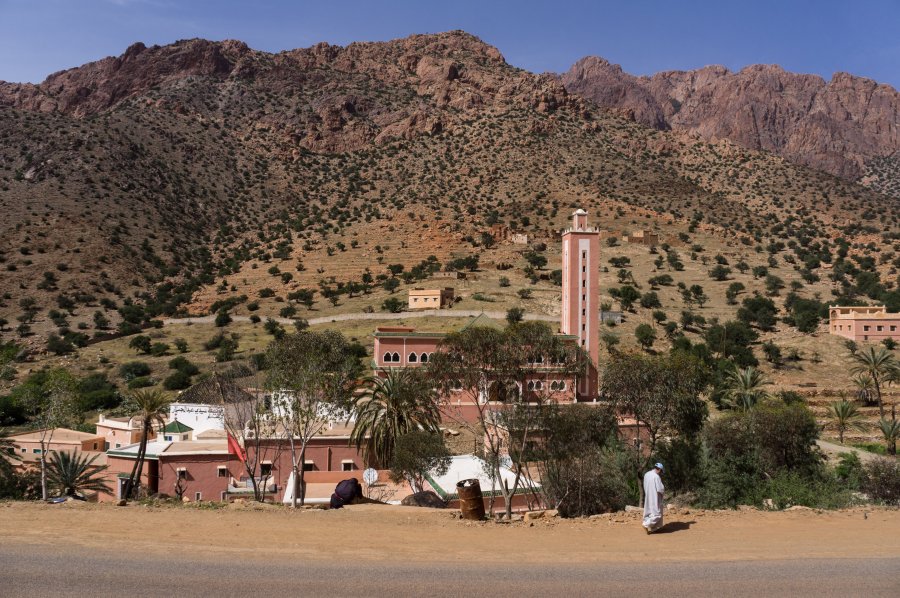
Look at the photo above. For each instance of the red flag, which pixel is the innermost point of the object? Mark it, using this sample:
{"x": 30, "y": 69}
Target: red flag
{"x": 234, "y": 448}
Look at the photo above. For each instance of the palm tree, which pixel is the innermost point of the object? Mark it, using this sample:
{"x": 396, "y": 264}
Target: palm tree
{"x": 845, "y": 416}
{"x": 879, "y": 364}
{"x": 7, "y": 454}
{"x": 744, "y": 388}
{"x": 390, "y": 407}
{"x": 74, "y": 473}
{"x": 151, "y": 407}
{"x": 864, "y": 388}
{"x": 890, "y": 428}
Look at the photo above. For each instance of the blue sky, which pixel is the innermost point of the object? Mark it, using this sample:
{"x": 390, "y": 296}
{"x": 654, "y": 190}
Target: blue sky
{"x": 38, "y": 37}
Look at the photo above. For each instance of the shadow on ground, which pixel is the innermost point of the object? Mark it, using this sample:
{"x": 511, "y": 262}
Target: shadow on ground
{"x": 675, "y": 526}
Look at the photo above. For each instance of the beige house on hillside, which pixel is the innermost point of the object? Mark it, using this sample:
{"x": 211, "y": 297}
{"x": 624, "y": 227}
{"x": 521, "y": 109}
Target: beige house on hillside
{"x": 864, "y": 323}
{"x": 430, "y": 298}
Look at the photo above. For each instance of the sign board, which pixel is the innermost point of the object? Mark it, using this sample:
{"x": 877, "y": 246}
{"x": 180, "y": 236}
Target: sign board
{"x": 370, "y": 476}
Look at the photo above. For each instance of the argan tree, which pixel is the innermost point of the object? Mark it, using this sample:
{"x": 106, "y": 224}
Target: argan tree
{"x": 312, "y": 376}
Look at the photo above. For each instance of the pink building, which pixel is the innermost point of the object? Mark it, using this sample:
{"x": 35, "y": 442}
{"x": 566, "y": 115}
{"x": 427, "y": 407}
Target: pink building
{"x": 864, "y": 323}
{"x": 119, "y": 431}
{"x": 581, "y": 294}
{"x": 28, "y": 444}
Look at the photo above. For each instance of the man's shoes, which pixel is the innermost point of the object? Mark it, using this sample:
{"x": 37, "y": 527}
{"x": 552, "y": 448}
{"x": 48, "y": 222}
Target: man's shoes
{"x": 648, "y": 531}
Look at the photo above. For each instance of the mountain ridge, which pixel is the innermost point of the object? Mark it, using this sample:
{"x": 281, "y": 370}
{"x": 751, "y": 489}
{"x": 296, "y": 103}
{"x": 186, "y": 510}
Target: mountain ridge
{"x": 838, "y": 126}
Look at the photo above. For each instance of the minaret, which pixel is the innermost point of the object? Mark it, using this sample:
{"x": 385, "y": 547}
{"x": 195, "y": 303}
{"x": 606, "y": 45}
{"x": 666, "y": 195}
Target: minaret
{"x": 581, "y": 294}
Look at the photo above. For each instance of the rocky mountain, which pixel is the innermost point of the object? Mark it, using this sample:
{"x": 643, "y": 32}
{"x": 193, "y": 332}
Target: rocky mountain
{"x": 845, "y": 126}
{"x": 132, "y": 185}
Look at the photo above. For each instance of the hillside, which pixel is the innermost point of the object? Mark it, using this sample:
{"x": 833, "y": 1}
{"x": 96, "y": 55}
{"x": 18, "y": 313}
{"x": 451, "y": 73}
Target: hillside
{"x": 848, "y": 126}
{"x": 168, "y": 179}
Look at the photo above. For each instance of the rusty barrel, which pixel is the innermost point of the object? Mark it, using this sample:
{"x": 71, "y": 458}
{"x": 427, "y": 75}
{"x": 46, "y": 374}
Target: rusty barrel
{"x": 471, "y": 502}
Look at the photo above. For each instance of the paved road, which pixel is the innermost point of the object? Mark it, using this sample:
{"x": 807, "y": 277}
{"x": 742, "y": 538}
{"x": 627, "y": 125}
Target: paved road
{"x": 438, "y": 313}
{"x": 27, "y": 571}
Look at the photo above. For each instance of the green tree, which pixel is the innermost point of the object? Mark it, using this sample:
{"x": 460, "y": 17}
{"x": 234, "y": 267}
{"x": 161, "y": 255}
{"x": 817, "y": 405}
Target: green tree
{"x": 876, "y": 363}
{"x": 514, "y": 315}
{"x": 627, "y": 296}
{"x": 141, "y": 343}
{"x": 720, "y": 272}
{"x": 890, "y": 429}
{"x": 314, "y": 375}
{"x": 391, "y": 406}
{"x": 393, "y": 305}
{"x": 845, "y": 416}
{"x": 645, "y": 336}
{"x": 151, "y": 408}
{"x": 416, "y": 454}
{"x": 73, "y": 473}
{"x": 733, "y": 290}
{"x": 744, "y": 388}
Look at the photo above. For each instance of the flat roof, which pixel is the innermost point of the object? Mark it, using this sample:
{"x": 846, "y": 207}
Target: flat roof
{"x": 60, "y": 435}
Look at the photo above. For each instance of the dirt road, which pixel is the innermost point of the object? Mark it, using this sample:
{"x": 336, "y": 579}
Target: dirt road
{"x": 370, "y": 549}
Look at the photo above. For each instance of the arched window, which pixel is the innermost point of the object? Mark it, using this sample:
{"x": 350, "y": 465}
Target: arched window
{"x": 424, "y": 358}
{"x": 412, "y": 358}
{"x": 554, "y": 385}
{"x": 396, "y": 358}
{"x": 562, "y": 385}
{"x": 387, "y": 357}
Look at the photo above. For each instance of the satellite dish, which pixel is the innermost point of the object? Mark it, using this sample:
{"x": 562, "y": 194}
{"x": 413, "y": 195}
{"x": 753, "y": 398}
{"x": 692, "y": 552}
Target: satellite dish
{"x": 370, "y": 476}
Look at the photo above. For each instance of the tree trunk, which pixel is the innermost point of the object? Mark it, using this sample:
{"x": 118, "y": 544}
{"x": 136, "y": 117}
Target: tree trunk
{"x": 302, "y": 471}
{"x": 44, "y": 493}
{"x": 878, "y": 396}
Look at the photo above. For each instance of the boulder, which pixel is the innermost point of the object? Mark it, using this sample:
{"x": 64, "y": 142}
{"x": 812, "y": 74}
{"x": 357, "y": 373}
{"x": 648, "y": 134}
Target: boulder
{"x": 424, "y": 499}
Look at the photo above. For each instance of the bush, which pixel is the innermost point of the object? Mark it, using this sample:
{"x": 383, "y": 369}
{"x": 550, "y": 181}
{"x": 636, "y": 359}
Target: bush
{"x": 141, "y": 343}
{"x": 183, "y": 364}
{"x": 177, "y": 381}
{"x": 95, "y": 391}
{"x": 181, "y": 345}
{"x": 415, "y": 454}
{"x": 134, "y": 369}
{"x": 59, "y": 346}
{"x": 881, "y": 481}
{"x": 393, "y": 305}
{"x": 159, "y": 349}
{"x": 140, "y": 382}
{"x": 223, "y": 318}
{"x": 514, "y": 315}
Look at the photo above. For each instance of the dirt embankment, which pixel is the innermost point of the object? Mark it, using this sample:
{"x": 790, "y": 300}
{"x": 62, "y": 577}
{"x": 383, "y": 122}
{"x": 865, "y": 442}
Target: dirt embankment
{"x": 375, "y": 532}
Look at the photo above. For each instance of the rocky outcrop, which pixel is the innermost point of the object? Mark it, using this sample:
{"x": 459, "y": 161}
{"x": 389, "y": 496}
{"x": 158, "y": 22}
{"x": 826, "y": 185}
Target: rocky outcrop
{"x": 451, "y": 74}
{"x": 835, "y": 126}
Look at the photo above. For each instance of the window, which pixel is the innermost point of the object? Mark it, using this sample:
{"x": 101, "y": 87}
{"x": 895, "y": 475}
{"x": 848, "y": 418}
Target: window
{"x": 866, "y": 328}
{"x": 395, "y": 357}
{"x": 169, "y": 438}
{"x": 535, "y": 385}
{"x": 36, "y": 451}
{"x": 893, "y": 329}
{"x": 182, "y": 473}
{"x": 265, "y": 470}
{"x": 224, "y": 496}
{"x": 222, "y": 472}
{"x": 347, "y": 466}
{"x": 879, "y": 328}
{"x": 309, "y": 466}
{"x": 198, "y": 496}
{"x": 24, "y": 450}
{"x": 387, "y": 358}
{"x": 105, "y": 446}
{"x": 118, "y": 445}
{"x": 424, "y": 358}
{"x": 412, "y": 358}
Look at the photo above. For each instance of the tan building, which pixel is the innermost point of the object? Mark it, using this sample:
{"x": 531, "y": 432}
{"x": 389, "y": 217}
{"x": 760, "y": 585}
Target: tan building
{"x": 430, "y": 298}
{"x": 120, "y": 431}
{"x": 864, "y": 323}
{"x": 28, "y": 444}
{"x": 644, "y": 237}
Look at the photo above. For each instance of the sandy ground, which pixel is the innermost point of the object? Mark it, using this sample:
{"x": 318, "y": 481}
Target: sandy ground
{"x": 374, "y": 533}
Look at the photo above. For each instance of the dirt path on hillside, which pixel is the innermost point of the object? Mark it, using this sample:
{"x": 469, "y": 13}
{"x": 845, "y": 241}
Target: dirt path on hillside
{"x": 406, "y": 534}
{"x": 440, "y": 313}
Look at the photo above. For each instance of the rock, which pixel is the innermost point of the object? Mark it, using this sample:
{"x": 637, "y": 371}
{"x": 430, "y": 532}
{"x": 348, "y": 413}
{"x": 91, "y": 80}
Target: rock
{"x": 121, "y": 502}
{"x": 633, "y": 509}
{"x": 424, "y": 499}
{"x": 798, "y": 508}
{"x": 746, "y": 508}
{"x": 535, "y": 515}
{"x": 185, "y": 499}
{"x": 833, "y": 126}
{"x": 768, "y": 503}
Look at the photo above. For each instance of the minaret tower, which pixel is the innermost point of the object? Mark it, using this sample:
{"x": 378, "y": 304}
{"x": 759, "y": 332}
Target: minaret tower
{"x": 581, "y": 294}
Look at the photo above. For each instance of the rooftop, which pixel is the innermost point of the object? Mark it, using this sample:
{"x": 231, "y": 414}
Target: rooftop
{"x": 60, "y": 436}
{"x": 177, "y": 427}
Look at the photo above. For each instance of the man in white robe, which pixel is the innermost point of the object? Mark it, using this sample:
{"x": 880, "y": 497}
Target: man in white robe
{"x": 653, "y": 499}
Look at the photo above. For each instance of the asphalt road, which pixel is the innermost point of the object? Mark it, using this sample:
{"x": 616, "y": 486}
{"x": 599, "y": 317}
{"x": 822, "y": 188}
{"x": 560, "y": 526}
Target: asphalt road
{"x": 27, "y": 571}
